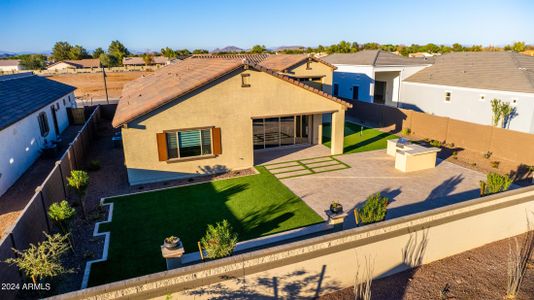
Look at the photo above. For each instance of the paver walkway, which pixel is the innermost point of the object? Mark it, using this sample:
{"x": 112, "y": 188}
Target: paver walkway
{"x": 304, "y": 167}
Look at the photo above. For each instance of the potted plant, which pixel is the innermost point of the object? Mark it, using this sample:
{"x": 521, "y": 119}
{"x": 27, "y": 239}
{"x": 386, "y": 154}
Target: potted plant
{"x": 336, "y": 207}
{"x": 171, "y": 242}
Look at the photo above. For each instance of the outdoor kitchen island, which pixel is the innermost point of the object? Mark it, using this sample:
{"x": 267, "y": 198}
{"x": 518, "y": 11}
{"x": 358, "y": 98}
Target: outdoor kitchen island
{"x": 411, "y": 157}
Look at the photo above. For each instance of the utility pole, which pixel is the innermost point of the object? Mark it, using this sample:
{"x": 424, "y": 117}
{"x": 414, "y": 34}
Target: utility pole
{"x": 105, "y": 83}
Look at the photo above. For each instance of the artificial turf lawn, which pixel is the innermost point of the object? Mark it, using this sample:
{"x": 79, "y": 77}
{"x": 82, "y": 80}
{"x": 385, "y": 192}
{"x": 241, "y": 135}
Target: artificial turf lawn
{"x": 357, "y": 140}
{"x": 255, "y": 206}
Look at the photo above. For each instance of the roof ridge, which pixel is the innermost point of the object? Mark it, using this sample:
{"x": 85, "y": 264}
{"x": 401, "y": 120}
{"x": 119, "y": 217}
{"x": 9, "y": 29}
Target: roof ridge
{"x": 376, "y": 57}
{"x": 520, "y": 68}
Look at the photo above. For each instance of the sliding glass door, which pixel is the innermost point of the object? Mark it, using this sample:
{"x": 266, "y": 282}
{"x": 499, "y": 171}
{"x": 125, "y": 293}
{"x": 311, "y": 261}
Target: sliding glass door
{"x": 280, "y": 131}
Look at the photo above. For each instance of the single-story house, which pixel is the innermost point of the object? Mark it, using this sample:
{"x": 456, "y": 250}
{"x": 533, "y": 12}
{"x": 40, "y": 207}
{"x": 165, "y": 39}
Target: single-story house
{"x": 461, "y": 86}
{"x": 34, "y": 114}
{"x": 89, "y": 63}
{"x": 203, "y": 116}
{"x": 301, "y": 67}
{"x": 8, "y": 65}
{"x": 372, "y": 75}
{"x": 157, "y": 61}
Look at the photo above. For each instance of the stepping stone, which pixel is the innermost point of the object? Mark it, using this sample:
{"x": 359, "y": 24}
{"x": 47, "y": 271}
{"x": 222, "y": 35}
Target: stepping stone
{"x": 322, "y": 163}
{"x": 281, "y": 165}
{"x": 293, "y": 174}
{"x": 318, "y": 159}
{"x": 287, "y": 169}
{"x": 330, "y": 168}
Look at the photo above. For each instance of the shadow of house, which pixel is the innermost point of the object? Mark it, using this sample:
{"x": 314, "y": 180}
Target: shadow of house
{"x": 378, "y": 115}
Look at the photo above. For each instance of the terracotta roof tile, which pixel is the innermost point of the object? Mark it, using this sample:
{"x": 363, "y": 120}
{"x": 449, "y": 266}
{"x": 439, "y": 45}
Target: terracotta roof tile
{"x": 146, "y": 94}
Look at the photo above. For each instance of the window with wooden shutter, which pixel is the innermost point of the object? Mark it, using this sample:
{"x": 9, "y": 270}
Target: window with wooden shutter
{"x": 216, "y": 135}
{"x": 162, "y": 146}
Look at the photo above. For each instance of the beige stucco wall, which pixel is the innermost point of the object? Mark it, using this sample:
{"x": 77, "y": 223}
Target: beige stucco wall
{"x": 317, "y": 68}
{"x": 60, "y": 66}
{"x": 226, "y": 105}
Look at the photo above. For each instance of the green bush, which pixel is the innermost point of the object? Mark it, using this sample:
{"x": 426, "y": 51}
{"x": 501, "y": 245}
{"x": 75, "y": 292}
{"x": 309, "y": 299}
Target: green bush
{"x": 79, "y": 181}
{"x": 435, "y": 143}
{"x": 219, "y": 240}
{"x": 373, "y": 210}
{"x": 495, "y": 183}
{"x": 406, "y": 131}
{"x": 61, "y": 212}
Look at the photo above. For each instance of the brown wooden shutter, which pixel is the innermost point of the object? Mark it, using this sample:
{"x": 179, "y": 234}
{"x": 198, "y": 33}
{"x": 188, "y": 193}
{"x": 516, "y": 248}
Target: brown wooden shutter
{"x": 217, "y": 146}
{"x": 162, "y": 146}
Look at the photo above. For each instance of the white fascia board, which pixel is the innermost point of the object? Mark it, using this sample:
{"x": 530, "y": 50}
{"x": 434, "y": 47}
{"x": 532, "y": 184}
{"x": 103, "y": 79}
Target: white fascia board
{"x": 469, "y": 89}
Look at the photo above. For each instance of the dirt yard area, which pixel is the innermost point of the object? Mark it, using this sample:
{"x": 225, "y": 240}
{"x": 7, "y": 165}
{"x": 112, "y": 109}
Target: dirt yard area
{"x": 477, "y": 274}
{"x": 91, "y": 85}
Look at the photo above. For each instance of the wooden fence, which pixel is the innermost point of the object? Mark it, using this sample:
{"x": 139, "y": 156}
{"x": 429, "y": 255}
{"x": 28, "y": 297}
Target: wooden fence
{"x": 33, "y": 220}
{"x": 503, "y": 143}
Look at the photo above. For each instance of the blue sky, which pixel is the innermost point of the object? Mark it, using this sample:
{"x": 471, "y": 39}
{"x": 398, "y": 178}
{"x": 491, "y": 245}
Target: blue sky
{"x": 35, "y": 25}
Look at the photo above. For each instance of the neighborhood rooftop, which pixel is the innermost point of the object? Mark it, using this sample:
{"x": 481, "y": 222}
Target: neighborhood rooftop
{"x": 505, "y": 71}
{"x": 275, "y": 62}
{"x": 81, "y": 63}
{"x": 374, "y": 58}
{"x": 25, "y": 93}
{"x": 9, "y": 62}
{"x": 136, "y": 60}
{"x": 148, "y": 93}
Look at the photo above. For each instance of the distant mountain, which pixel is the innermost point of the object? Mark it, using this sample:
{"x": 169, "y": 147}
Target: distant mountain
{"x": 5, "y": 54}
{"x": 228, "y": 49}
{"x": 282, "y": 48}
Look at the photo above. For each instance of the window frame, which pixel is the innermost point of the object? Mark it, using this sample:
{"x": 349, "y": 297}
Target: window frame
{"x": 42, "y": 120}
{"x": 194, "y": 157}
{"x": 245, "y": 80}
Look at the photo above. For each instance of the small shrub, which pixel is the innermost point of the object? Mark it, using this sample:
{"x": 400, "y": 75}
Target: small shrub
{"x": 219, "y": 240}
{"x": 488, "y": 154}
{"x": 435, "y": 143}
{"x": 454, "y": 153}
{"x": 79, "y": 181}
{"x": 373, "y": 210}
{"x": 61, "y": 212}
{"x": 94, "y": 165}
{"x": 495, "y": 183}
{"x": 406, "y": 131}
{"x": 495, "y": 164}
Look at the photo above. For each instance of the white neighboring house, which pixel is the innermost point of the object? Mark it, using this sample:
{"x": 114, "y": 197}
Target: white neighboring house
{"x": 157, "y": 61}
{"x": 8, "y": 65}
{"x": 32, "y": 113}
{"x": 372, "y": 75}
{"x": 461, "y": 86}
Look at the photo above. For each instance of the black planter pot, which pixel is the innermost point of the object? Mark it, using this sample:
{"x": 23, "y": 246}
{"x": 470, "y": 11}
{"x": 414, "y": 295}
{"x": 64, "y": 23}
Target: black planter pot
{"x": 336, "y": 209}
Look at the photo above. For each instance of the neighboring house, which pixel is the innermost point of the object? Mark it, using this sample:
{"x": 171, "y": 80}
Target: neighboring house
{"x": 301, "y": 67}
{"x": 203, "y": 116}
{"x": 372, "y": 75}
{"x": 33, "y": 114}
{"x": 157, "y": 61}
{"x": 89, "y": 63}
{"x": 461, "y": 86}
{"x": 422, "y": 54}
{"x": 7, "y": 65}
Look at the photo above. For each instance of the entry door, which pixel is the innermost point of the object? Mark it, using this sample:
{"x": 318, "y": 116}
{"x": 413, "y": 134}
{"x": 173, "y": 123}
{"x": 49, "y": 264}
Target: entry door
{"x": 380, "y": 92}
{"x": 54, "y": 119}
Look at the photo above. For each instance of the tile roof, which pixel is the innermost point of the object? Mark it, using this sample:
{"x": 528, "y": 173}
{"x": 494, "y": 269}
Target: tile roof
{"x": 275, "y": 62}
{"x": 81, "y": 63}
{"x": 375, "y": 58}
{"x": 24, "y": 93}
{"x": 505, "y": 71}
{"x": 137, "y": 60}
{"x": 251, "y": 58}
{"x": 9, "y": 62}
{"x": 166, "y": 84}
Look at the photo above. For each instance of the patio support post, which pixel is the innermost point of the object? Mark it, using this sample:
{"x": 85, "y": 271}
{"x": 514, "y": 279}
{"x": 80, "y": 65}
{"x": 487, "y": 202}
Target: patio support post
{"x": 338, "y": 130}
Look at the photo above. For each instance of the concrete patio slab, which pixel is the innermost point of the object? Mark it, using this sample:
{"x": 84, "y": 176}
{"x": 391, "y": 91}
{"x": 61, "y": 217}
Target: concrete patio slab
{"x": 289, "y": 153}
{"x": 322, "y": 163}
{"x": 316, "y": 160}
{"x": 282, "y": 165}
{"x": 373, "y": 172}
{"x": 330, "y": 167}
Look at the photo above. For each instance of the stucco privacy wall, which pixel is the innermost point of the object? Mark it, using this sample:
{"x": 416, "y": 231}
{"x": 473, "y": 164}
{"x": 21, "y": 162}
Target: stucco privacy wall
{"x": 21, "y": 142}
{"x": 224, "y": 104}
{"x": 316, "y": 68}
{"x": 503, "y": 143}
{"x": 466, "y": 104}
{"x": 330, "y": 261}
